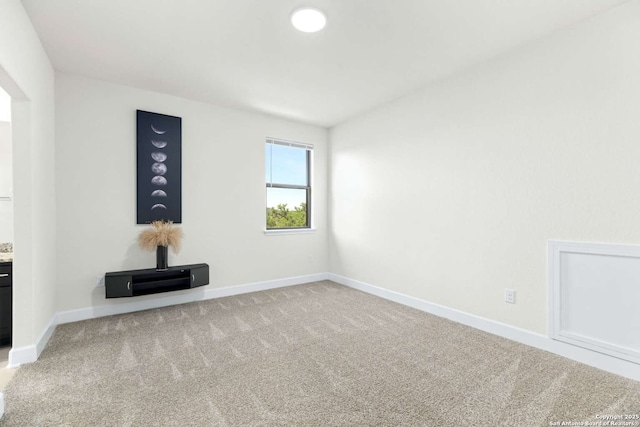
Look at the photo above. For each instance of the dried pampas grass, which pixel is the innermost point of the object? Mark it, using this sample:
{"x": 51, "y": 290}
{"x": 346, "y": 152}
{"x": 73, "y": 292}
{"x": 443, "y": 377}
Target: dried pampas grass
{"x": 161, "y": 234}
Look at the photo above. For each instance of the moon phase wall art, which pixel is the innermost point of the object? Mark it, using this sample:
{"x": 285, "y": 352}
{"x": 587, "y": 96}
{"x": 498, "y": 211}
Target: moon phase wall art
{"x": 159, "y": 191}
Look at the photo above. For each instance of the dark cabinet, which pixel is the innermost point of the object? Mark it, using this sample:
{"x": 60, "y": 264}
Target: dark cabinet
{"x": 6, "y": 297}
{"x": 200, "y": 276}
{"x": 134, "y": 283}
{"x": 119, "y": 286}
{"x": 5, "y": 273}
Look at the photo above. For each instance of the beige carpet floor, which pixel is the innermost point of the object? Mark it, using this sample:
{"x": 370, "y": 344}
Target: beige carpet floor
{"x": 318, "y": 354}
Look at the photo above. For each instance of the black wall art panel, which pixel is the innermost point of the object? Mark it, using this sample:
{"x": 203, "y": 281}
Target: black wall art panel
{"x": 159, "y": 167}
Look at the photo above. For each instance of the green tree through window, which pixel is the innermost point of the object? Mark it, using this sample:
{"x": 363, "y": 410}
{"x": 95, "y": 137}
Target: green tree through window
{"x": 282, "y": 217}
{"x": 288, "y": 171}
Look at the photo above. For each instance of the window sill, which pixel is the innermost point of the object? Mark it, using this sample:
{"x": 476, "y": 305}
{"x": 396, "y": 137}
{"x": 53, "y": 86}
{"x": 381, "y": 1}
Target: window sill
{"x": 277, "y": 232}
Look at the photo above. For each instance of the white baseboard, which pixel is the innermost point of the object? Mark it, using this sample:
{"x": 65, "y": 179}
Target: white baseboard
{"x": 598, "y": 360}
{"x": 30, "y": 353}
{"x": 20, "y": 355}
{"x": 263, "y": 286}
{"x": 128, "y": 305}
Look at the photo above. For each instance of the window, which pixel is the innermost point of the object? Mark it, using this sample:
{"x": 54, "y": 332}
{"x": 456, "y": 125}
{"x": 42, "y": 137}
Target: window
{"x": 288, "y": 177}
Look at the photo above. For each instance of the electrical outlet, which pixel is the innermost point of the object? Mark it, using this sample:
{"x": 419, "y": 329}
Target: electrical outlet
{"x": 99, "y": 281}
{"x": 510, "y": 296}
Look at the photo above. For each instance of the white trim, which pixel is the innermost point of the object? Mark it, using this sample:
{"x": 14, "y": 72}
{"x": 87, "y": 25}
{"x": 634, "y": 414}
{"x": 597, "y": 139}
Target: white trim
{"x": 553, "y": 291}
{"x": 127, "y": 305}
{"x": 555, "y": 249}
{"x": 20, "y": 355}
{"x": 263, "y": 286}
{"x": 285, "y": 231}
{"x": 30, "y": 353}
{"x": 45, "y": 336}
{"x": 287, "y": 143}
{"x": 602, "y": 361}
{"x": 1, "y": 404}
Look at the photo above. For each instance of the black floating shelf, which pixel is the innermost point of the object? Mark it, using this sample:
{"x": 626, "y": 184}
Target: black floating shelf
{"x": 134, "y": 283}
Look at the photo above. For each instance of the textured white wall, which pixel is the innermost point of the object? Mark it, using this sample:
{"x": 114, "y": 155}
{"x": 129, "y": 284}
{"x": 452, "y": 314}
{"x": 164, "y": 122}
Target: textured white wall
{"x": 27, "y": 75}
{"x": 223, "y": 200}
{"x": 451, "y": 194}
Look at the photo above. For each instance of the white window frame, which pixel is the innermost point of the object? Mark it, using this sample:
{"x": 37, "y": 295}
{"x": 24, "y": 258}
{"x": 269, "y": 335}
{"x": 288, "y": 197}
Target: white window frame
{"x": 309, "y": 188}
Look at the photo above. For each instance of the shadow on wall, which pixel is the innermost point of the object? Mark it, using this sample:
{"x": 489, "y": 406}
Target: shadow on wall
{"x": 136, "y": 258}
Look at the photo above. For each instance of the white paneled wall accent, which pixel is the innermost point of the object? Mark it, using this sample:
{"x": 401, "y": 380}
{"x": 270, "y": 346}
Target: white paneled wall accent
{"x": 594, "y": 295}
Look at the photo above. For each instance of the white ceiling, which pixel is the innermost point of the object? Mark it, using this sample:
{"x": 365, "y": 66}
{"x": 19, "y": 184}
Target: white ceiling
{"x": 245, "y": 53}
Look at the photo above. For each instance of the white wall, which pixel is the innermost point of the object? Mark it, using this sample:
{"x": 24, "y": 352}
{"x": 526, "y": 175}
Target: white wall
{"x": 6, "y": 180}
{"x": 222, "y": 183}
{"x": 451, "y": 194}
{"x": 5, "y": 106}
{"x": 27, "y": 75}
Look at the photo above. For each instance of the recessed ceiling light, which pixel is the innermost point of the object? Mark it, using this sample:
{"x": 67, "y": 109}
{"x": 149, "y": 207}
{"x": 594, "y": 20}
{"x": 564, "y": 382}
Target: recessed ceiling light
{"x": 308, "y": 19}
